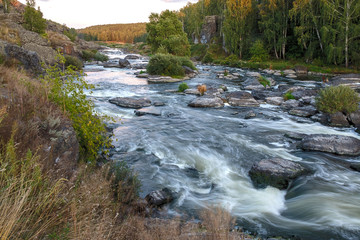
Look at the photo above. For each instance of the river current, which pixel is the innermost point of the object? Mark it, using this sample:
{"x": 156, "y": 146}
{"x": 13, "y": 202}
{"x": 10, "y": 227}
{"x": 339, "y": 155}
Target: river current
{"x": 204, "y": 155}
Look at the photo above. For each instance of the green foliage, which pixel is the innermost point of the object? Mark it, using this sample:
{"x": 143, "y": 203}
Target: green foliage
{"x": 258, "y": 52}
{"x": 166, "y": 30}
{"x": 71, "y": 33}
{"x": 141, "y": 38}
{"x": 74, "y": 62}
{"x": 124, "y": 183}
{"x": 185, "y": 61}
{"x": 67, "y": 91}
{"x": 198, "y": 51}
{"x": 101, "y": 57}
{"x": 288, "y": 95}
{"x": 165, "y": 64}
{"x": 33, "y": 19}
{"x": 208, "y": 58}
{"x": 182, "y": 87}
{"x": 338, "y": 99}
{"x": 264, "y": 81}
{"x": 88, "y": 55}
{"x": 2, "y": 58}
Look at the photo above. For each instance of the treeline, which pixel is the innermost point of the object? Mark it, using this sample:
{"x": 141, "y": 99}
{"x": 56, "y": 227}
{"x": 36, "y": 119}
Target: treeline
{"x": 325, "y": 31}
{"x": 114, "y": 32}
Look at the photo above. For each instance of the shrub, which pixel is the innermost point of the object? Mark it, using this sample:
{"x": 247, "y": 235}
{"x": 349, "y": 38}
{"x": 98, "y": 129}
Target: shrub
{"x": 258, "y": 52}
{"x": 202, "y": 89}
{"x": 182, "y": 87}
{"x": 66, "y": 89}
{"x": 88, "y": 55}
{"x": 207, "y": 58}
{"x": 338, "y": 99}
{"x": 264, "y": 81}
{"x": 2, "y": 58}
{"x": 33, "y": 19}
{"x": 71, "y": 34}
{"x": 165, "y": 64}
{"x": 288, "y": 95}
{"x": 73, "y": 61}
{"x": 185, "y": 61}
{"x": 100, "y": 57}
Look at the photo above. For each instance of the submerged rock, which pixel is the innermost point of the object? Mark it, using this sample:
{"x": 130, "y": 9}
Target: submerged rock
{"x": 338, "y": 144}
{"x": 206, "y": 101}
{"x": 159, "y": 197}
{"x": 131, "y": 102}
{"x": 132, "y": 57}
{"x": 355, "y": 166}
{"x": 306, "y": 111}
{"x": 276, "y": 172}
{"x": 241, "y": 99}
{"x": 148, "y": 111}
{"x": 123, "y": 63}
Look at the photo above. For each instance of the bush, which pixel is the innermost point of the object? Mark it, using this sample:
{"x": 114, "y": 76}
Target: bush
{"x": 338, "y": 99}
{"x": 264, "y": 81}
{"x": 288, "y": 95}
{"x": 71, "y": 34}
{"x": 182, "y": 87}
{"x": 88, "y": 55}
{"x": 185, "y": 61}
{"x": 208, "y": 58}
{"x": 33, "y": 19}
{"x": 2, "y": 58}
{"x": 165, "y": 64}
{"x": 100, "y": 57}
{"x": 73, "y": 61}
{"x": 258, "y": 52}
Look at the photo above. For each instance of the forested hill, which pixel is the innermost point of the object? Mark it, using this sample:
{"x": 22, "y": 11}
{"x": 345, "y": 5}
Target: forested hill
{"x": 115, "y": 32}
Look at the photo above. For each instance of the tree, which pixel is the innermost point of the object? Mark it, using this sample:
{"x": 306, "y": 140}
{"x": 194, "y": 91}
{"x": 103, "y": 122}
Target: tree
{"x": 165, "y": 31}
{"x": 33, "y": 18}
{"x": 6, "y": 4}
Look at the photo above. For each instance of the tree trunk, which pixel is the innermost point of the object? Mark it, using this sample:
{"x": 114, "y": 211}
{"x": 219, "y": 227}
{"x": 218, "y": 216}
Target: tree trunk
{"x": 347, "y": 21}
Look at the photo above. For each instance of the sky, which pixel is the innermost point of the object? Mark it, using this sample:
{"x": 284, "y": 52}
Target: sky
{"x": 84, "y": 13}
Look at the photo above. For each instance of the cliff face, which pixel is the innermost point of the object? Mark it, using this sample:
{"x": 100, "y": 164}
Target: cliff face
{"x": 209, "y": 30}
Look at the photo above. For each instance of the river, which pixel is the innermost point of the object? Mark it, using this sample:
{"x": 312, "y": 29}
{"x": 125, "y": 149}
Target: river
{"x": 204, "y": 155}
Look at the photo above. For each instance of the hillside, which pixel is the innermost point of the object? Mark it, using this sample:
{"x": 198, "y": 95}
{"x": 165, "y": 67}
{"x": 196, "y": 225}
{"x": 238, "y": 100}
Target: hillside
{"x": 115, "y": 32}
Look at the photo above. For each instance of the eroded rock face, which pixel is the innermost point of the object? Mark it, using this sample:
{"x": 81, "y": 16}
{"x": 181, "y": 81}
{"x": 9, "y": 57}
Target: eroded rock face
{"x": 276, "y": 172}
{"x": 209, "y": 29}
{"x": 341, "y": 145}
{"x": 128, "y": 102}
{"x": 159, "y": 197}
{"x": 46, "y": 54}
{"x": 206, "y": 102}
{"x": 241, "y": 99}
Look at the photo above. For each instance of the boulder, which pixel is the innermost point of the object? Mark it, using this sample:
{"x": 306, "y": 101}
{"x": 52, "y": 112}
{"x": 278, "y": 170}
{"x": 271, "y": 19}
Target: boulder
{"x": 289, "y": 71}
{"x": 274, "y": 100}
{"x": 123, "y": 63}
{"x": 159, "y": 197}
{"x": 338, "y": 119}
{"x": 338, "y": 144}
{"x": 241, "y": 99}
{"x": 290, "y": 104}
{"x": 128, "y": 102}
{"x": 262, "y": 95}
{"x": 192, "y": 91}
{"x": 132, "y": 57}
{"x": 139, "y": 65}
{"x": 206, "y": 102}
{"x": 250, "y": 115}
{"x": 355, "y": 166}
{"x": 301, "y": 70}
{"x": 301, "y": 93}
{"x": 276, "y": 172}
{"x": 164, "y": 79}
{"x": 352, "y": 80}
{"x": 46, "y": 54}
{"x": 148, "y": 111}
{"x": 158, "y": 104}
{"x": 253, "y": 74}
{"x": 354, "y": 118}
{"x": 188, "y": 70}
{"x": 306, "y": 111}
{"x": 110, "y": 64}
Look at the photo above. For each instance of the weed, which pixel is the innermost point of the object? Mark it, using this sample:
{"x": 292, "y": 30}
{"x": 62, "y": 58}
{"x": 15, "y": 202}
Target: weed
{"x": 202, "y": 89}
{"x": 182, "y": 87}
{"x": 288, "y": 95}
{"x": 264, "y": 81}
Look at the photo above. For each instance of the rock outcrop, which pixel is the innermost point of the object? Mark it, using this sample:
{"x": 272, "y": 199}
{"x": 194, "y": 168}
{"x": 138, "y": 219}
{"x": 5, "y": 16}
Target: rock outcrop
{"x": 209, "y": 29}
{"x": 159, "y": 197}
{"x": 207, "y": 102}
{"x": 276, "y": 172}
{"x": 128, "y": 102}
{"x": 241, "y": 99}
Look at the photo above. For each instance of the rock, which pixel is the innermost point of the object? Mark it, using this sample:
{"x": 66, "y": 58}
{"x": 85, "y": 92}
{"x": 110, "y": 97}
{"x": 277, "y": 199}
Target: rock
{"x": 30, "y": 60}
{"x": 148, "y": 111}
{"x": 250, "y": 114}
{"x": 355, "y": 166}
{"x": 142, "y": 75}
{"x": 110, "y": 65}
{"x": 338, "y": 120}
{"x": 206, "y": 101}
{"x": 276, "y": 172}
{"x": 164, "y": 79}
{"x": 139, "y": 65}
{"x": 290, "y": 104}
{"x": 188, "y": 70}
{"x": 253, "y": 74}
{"x": 241, "y": 99}
{"x": 295, "y": 136}
{"x": 289, "y": 71}
{"x": 132, "y": 57}
{"x": 291, "y": 76}
{"x": 354, "y": 118}
{"x": 338, "y": 144}
{"x": 192, "y": 91}
{"x": 128, "y": 102}
{"x": 306, "y": 111}
{"x": 262, "y": 95}
{"x": 274, "y": 100}
{"x": 123, "y": 63}
{"x": 209, "y": 29}
{"x": 46, "y": 54}
{"x": 301, "y": 70}
{"x": 308, "y": 100}
{"x": 352, "y": 80}
{"x": 158, "y": 104}
{"x": 301, "y": 93}
{"x": 159, "y": 197}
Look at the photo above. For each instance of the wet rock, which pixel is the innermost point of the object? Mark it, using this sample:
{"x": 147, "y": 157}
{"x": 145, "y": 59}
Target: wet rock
{"x": 252, "y": 84}
{"x": 355, "y": 166}
{"x": 132, "y": 57}
{"x": 192, "y": 91}
{"x": 354, "y": 118}
{"x": 123, "y": 63}
{"x": 188, "y": 70}
{"x": 158, "y": 104}
{"x": 274, "y": 100}
{"x": 338, "y": 120}
{"x": 290, "y": 104}
{"x": 301, "y": 70}
{"x": 139, "y": 65}
{"x": 351, "y": 80}
{"x": 250, "y": 115}
{"x": 289, "y": 71}
{"x": 163, "y": 79}
{"x": 142, "y": 75}
{"x": 308, "y": 100}
{"x": 341, "y": 145}
{"x": 306, "y": 111}
{"x": 131, "y": 102}
{"x": 253, "y": 74}
{"x": 301, "y": 93}
{"x": 291, "y": 76}
{"x": 262, "y": 95}
{"x": 110, "y": 65}
{"x": 206, "y": 101}
{"x": 159, "y": 197}
{"x": 241, "y": 99}
{"x": 295, "y": 136}
{"x": 148, "y": 111}
{"x": 276, "y": 172}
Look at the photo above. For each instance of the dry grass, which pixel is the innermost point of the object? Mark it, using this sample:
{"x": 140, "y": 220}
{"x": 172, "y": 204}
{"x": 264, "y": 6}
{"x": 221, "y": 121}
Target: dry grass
{"x": 202, "y": 89}
{"x": 9, "y": 35}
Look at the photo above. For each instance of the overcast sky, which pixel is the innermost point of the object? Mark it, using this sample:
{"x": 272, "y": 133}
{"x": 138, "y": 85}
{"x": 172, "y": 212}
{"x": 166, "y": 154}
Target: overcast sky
{"x": 83, "y": 13}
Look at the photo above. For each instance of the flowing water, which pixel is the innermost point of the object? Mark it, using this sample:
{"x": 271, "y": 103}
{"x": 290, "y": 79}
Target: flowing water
{"x": 205, "y": 154}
